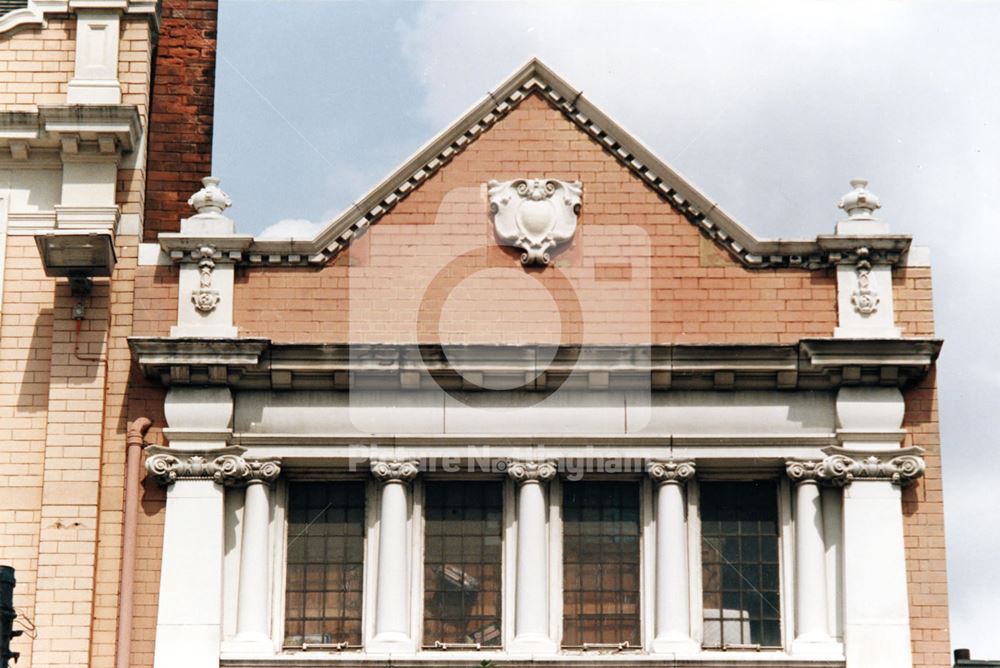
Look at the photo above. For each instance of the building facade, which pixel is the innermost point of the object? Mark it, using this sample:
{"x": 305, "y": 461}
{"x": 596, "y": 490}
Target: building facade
{"x": 533, "y": 399}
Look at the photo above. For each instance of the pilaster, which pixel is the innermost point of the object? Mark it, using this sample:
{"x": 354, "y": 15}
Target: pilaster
{"x": 95, "y": 80}
{"x": 195, "y": 471}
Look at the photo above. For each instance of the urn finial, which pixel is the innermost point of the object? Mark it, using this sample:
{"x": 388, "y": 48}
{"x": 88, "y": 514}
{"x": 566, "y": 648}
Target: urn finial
{"x": 210, "y": 199}
{"x": 860, "y": 203}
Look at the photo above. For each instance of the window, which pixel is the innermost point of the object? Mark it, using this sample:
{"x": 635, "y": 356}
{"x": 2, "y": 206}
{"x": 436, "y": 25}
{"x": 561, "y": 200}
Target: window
{"x": 326, "y": 529}
{"x": 739, "y": 556}
{"x": 601, "y": 563}
{"x": 463, "y": 526}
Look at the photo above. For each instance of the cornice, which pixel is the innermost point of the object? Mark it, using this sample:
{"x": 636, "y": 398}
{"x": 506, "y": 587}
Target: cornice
{"x": 536, "y": 78}
{"x": 82, "y": 132}
{"x": 256, "y": 363}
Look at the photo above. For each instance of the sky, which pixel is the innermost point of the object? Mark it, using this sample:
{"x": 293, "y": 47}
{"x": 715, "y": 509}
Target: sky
{"x": 768, "y": 107}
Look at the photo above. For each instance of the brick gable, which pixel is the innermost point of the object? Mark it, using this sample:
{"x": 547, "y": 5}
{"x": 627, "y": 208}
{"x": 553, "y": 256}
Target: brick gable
{"x": 639, "y": 270}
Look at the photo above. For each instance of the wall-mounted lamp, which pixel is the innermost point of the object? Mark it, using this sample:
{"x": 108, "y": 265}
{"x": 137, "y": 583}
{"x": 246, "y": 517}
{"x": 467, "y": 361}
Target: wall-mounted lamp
{"x": 79, "y": 256}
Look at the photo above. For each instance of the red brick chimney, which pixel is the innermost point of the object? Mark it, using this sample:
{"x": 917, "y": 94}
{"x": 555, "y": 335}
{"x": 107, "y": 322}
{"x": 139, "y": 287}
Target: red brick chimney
{"x": 183, "y": 101}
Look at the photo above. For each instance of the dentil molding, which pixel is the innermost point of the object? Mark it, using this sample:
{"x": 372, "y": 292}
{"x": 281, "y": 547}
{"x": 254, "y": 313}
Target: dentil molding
{"x": 226, "y": 466}
{"x": 535, "y": 215}
{"x": 523, "y": 471}
{"x": 670, "y": 471}
{"x": 843, "y": 466}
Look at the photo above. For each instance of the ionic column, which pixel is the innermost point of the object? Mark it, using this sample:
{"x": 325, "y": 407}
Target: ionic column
{"x": 253, "y": 606}
{"x": 876, "y": 601}
{"x": 811, "y": 633}
{"x": 672, "y": 620}
{"x": 392, "y": 602}
{"x": 531, "y": 583}
{"x": 189, "y": 615}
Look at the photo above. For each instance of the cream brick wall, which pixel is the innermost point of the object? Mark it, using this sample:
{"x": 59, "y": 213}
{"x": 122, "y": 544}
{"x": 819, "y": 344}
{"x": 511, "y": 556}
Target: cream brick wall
{"x": 62, "y": 394}
{"x": 36, "y": 65}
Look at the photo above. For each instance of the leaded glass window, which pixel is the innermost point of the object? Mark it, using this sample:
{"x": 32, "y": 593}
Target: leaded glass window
{"x": 326, "y": 539}
{"x": 463, "y": 529}
{"x": 739, "y": 557}
{"x": 601, "y": 563}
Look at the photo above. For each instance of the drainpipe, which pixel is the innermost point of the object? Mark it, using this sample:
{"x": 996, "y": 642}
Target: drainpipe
{"x": 134, "y": 443}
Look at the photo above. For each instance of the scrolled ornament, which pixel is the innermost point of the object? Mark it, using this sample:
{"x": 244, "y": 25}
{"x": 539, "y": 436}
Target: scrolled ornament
{"x": 163, "y": 468}
{"x": 263, "y": 470}
{"x": 395, "y": 471}
{"x": 531, "y": 471}
{"x": 670, "y": 471}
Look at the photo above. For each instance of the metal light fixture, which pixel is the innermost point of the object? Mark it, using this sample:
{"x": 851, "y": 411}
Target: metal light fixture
{"x": 79, "y": 256}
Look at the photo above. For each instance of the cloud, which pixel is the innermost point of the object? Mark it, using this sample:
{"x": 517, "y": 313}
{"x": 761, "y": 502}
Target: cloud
{"x": 292, "y": 228}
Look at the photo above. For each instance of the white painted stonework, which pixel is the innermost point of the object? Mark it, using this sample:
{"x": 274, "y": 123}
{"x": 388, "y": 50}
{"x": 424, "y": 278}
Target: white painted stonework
{"x": 535, "y": 215}
{"x": 95, "y": 80}
{"x": 864, "y": 287}
{"x": 205, "y": 306}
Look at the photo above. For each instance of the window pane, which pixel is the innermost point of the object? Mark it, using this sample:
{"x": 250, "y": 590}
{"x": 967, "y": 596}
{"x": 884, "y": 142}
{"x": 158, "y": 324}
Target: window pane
{"x": 601, "y": 563}
{"x": 326, "y": 535}
{"x": 739, "y": 530}
{"x": 463, "y": 526}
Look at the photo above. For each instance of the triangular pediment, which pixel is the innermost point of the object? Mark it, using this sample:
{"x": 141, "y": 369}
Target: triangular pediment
{"x": 535, "y": 78}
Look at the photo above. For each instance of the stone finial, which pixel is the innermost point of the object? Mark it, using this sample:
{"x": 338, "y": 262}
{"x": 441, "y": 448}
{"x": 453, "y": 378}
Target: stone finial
{"x": 860, "y": 203}
{"x": 210, "y": 199}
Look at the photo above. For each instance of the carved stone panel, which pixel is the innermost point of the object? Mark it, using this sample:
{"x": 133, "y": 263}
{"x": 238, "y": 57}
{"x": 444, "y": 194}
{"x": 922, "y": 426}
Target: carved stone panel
{"x": 535, "y": 215}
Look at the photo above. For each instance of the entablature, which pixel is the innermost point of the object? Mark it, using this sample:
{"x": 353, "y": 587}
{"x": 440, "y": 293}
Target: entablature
{"x": 810, "y": 364}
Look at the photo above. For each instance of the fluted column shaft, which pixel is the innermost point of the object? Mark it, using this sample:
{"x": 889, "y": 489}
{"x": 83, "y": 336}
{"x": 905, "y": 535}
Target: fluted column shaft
{"x": 672, "y": 620}
{"x": 392, "y": 603}
{"x": 531, "y": 597}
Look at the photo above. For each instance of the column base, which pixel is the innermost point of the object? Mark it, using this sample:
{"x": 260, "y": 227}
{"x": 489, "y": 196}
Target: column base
{"x": 817, "y": 645}
{"x": 533, "y": 643}
{"x": 392, "y": 643}
{"x": 676, "y": 645}
{"x": 249, "y": 644}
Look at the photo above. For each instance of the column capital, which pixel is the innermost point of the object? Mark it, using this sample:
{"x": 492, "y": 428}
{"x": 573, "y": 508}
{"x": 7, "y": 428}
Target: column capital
{"x": 400, "y": 470}
{"x": 843, "y": 466}
{"x": 670, "y": 471}
{"x": 531, "y": 471}
{"x": 225, "y": 466}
